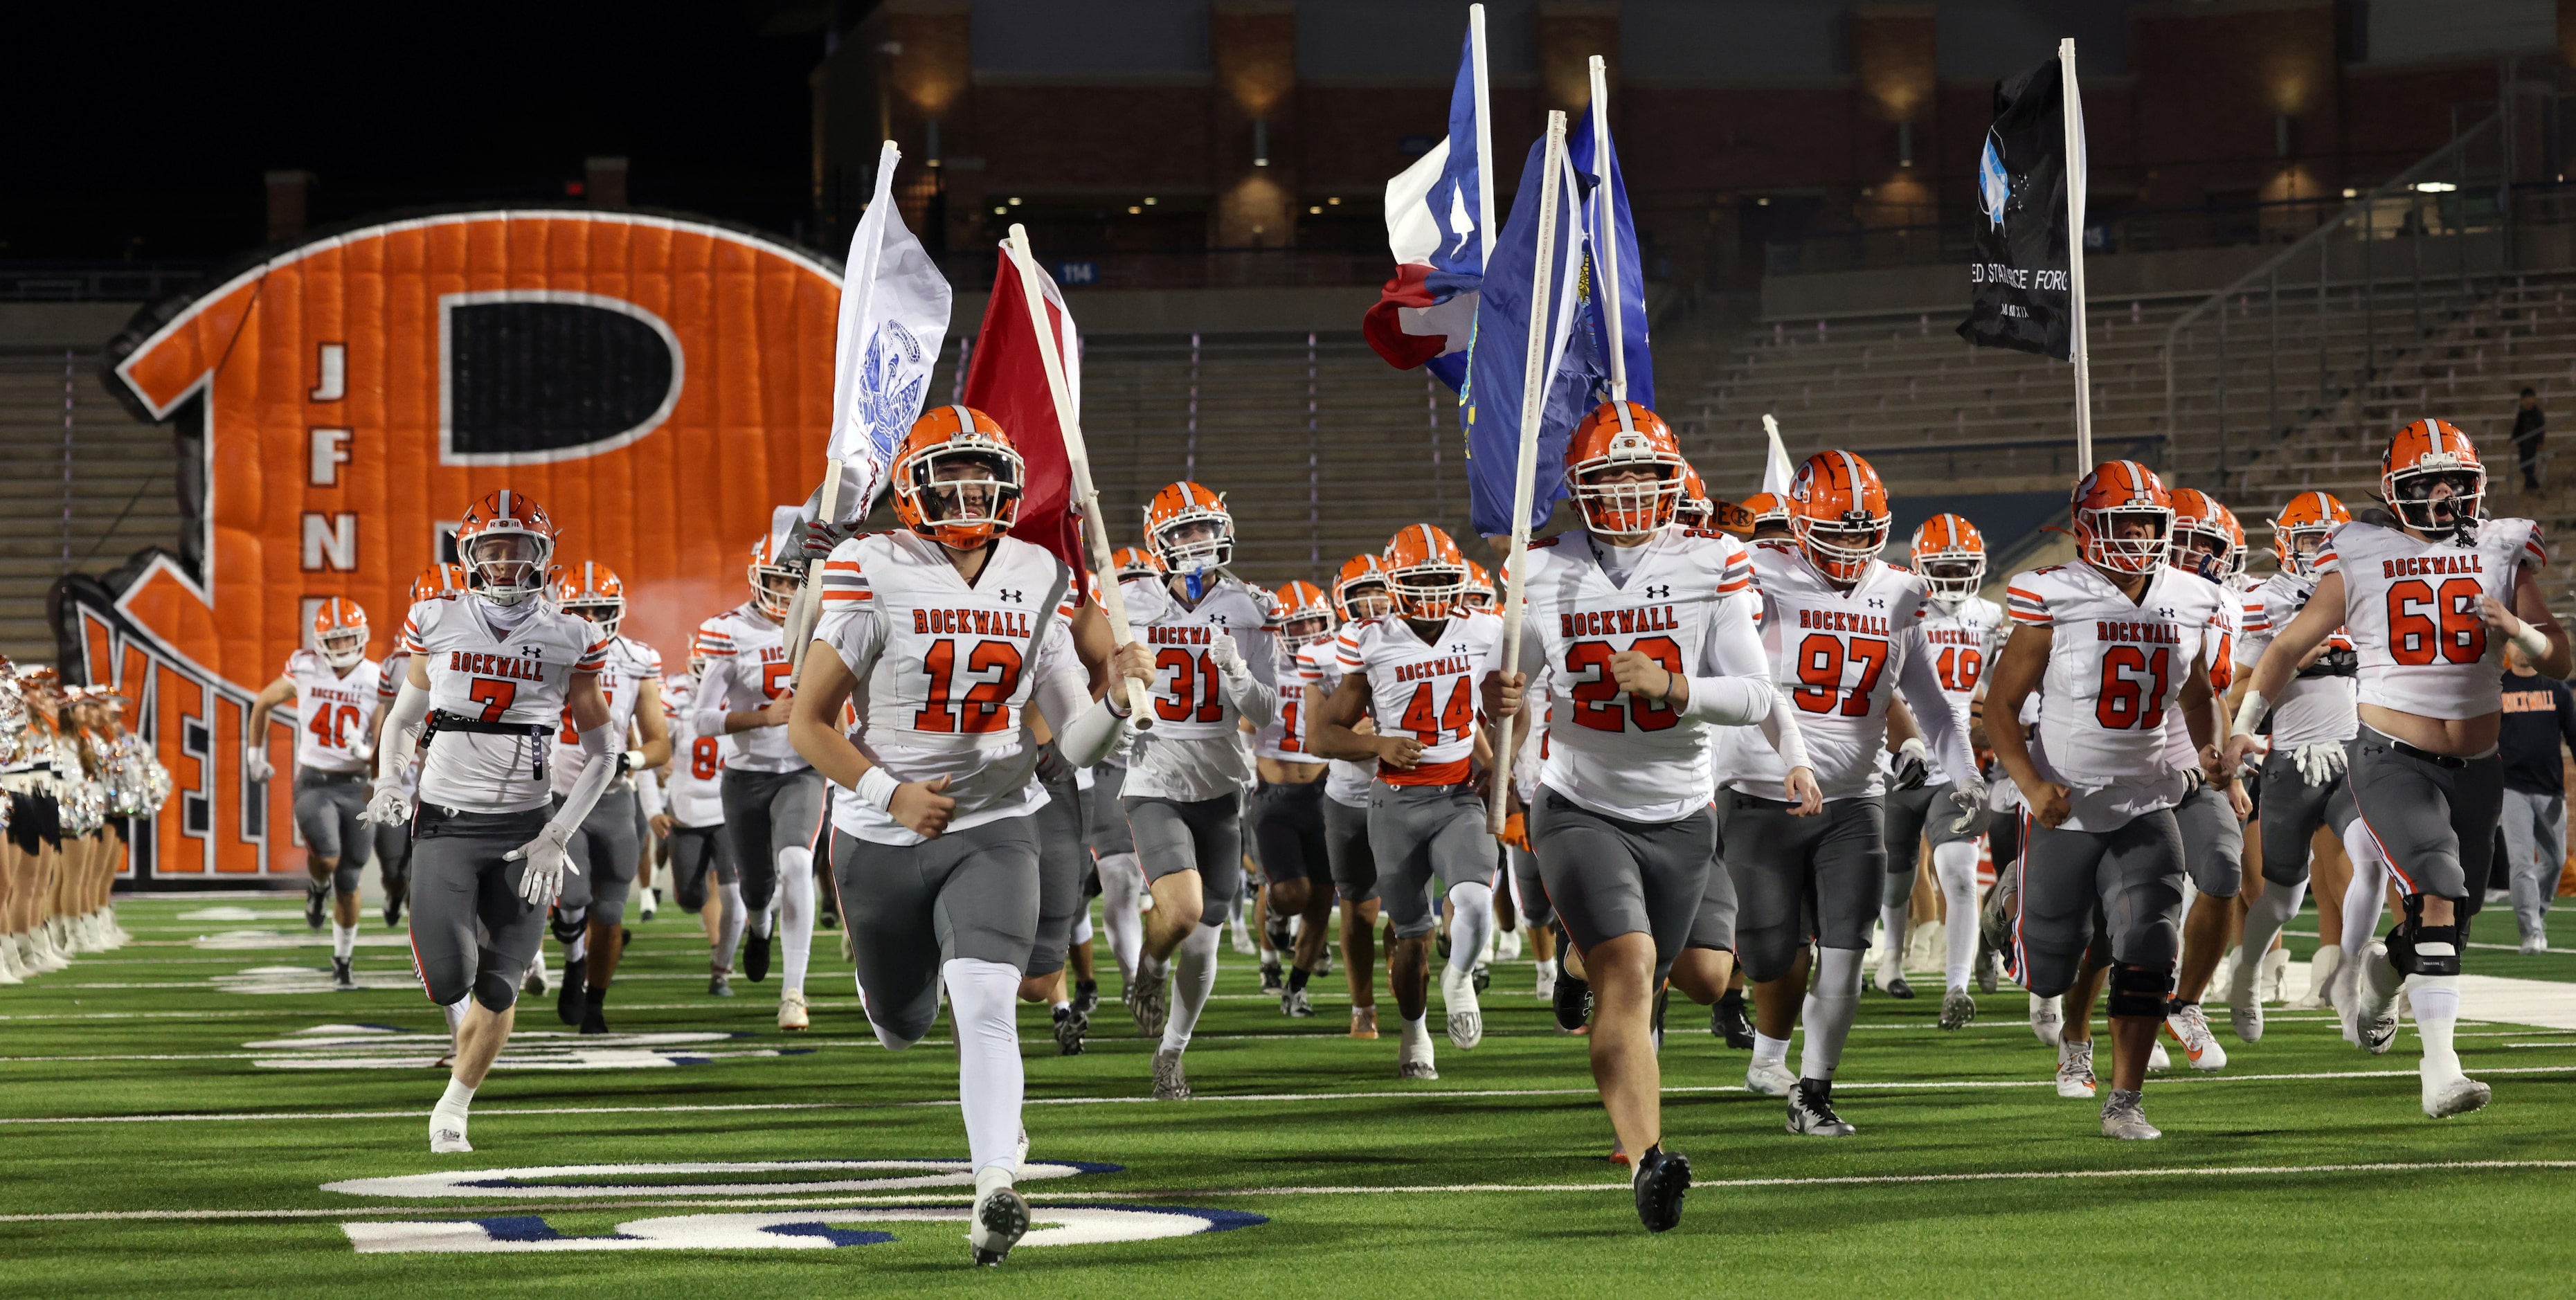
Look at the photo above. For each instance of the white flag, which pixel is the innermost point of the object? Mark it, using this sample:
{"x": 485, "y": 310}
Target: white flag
{"x": 1775, "y": 470}
{"x": 894, "y": 317}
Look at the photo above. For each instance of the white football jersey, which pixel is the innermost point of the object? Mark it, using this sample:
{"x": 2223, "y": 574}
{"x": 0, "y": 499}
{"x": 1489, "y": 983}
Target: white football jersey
{"x": 1284, "y": 739}
{"x": 1429, "y": 690}
{"x": 629, "y": 664}
{"x": 1192, "y": 751}
{"x": 2311, "y": 710}
{"x": 746, "y": 669}
{"x": 1840, "y": 655}
{"x": 1688, "y": 603}
{"x": 2116, "y": 670}
{"x": 696, "y": 785}
{"x": 1961, "y": 636}
{"x": 2218, "y": 650}
{"x": 946, "y": 668}
{"x": 332, "y": 711}
{"x": 2411, "y": 609}
{"x": 1319, "y": 674}
{"x": 519, "y": 676}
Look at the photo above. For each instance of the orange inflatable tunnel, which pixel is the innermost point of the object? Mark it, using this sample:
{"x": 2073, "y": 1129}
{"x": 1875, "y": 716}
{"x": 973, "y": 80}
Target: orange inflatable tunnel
{"x": 657, "y": 382}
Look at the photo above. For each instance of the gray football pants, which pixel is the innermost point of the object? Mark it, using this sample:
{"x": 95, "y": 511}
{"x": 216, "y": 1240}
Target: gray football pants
{"x": 1797, "y": 877}
{"x": 1061, "y": 862}
{"x": 767, "y": 813}
{"x": 2129, "y": 878}
{"x": 698, "y": 853}
{"x": 2435, "y": 821}
{"x": 1608, "y": 876}
{"x": 969, "y": 895}
{"x": 2535, "y": 842}
{"x": 605, "y": 849}
{"x": 470, "y": 932}
{"x": 327, "y": 805}
{"x": 1203, "y": 835}
{"x": 2291, "y": 813}
{"x": 1417, "y": 832}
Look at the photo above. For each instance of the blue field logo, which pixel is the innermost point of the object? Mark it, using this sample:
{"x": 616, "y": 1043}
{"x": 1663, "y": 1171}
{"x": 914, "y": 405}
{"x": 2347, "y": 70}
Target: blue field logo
{"x": 1994, "y": 184}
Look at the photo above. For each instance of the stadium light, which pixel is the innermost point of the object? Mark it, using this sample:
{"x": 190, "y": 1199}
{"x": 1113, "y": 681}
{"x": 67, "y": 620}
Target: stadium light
{"x": 2434, "y": 187}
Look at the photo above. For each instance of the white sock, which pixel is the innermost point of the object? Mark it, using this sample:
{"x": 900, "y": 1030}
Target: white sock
{"x": 575, "y": 951}
{"x": 456, "y": 1014}
{"x": 766, "y": 922}
{"x": 1082, "y": 927}
{"x": 458, "y": 1100}
{"x": 1122, "y": 890}
{"x": 1830, "y": 1006}
{"x": 1471, "y": 924}
{"x": 2436, "y": 1002}
{"x": 1891, "y": 949}
{"x": 2264, "y": 918}
{"x": 729, "y": 926}
{"x": 1193, "y": 979}
{"x": 1954, "y": 869}
{"x": 1415, "y": 1033}
{"x": 982, "y": 1004}
{"x": 796, "y": 910}
{"x": 344, "y": 940}
{"x": 2367, "y": 896}
{"x": 1768, "y": 1049}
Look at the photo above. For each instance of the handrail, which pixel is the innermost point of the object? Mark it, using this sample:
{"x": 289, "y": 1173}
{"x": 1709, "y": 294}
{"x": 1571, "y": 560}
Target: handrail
{"x": 2403, "y": 181}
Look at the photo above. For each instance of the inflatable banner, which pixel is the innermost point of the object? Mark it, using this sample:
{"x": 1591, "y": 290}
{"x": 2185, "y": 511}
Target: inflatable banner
{"x": 657, "y": 383}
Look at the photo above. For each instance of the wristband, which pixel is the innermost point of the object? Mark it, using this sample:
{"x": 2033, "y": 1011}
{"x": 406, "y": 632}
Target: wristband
{"x": 876, "y": 788}
{"x": 634, "y": 762}
{"x": 2249, "y": 713}
{"x": 2531, "y": 641}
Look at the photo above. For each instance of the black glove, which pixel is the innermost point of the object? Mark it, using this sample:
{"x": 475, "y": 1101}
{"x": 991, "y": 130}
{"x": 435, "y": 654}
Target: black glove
{"x": 813, "y": 539}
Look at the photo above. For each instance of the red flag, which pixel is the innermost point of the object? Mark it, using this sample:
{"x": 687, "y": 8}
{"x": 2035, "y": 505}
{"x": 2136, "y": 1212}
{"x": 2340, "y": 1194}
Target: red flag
{"x": 1006, "y": 379}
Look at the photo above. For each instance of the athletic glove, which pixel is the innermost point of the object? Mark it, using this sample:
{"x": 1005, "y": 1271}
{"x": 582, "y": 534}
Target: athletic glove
{"x": 1051, "y": 765}
{"x": 387, "y": 806}
{"x": 255, "y": 765}
{"x": 1227, "y": 657}
{"x": 1913, "y": 766}
{"x": 1970, "y": 801}
{"x": 547, "y": 862}
{"x": 362, "y": 751}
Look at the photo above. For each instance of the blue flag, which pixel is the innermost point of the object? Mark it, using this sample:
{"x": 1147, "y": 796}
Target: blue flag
{"x": 1606, "y": 196}
{"x": 1578, "y": 375}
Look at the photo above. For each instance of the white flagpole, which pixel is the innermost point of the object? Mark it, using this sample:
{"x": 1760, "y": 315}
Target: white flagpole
{"x": 1534, "y": 372}
{"x": 2071, "y": 109}
{"x": 1775, "y": 462}
{"x": 1605, "y": 228}
{"x": 1484, "y": 141}
{"x": 1077, "y": 457}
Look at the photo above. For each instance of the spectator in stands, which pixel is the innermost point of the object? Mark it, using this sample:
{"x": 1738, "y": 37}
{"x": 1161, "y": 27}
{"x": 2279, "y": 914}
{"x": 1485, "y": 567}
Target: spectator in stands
{"x": 2539, "y": 715}
{"x": 2529, "y": 425}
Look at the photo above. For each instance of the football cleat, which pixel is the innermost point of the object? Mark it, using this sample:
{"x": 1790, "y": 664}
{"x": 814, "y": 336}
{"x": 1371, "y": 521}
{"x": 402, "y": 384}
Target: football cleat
{"x": 343, "y": 980}
{"x": 2157, "y": 1059}
{"x": 1958, "y": 1008}
{"x": 1458, "y": 997}
{"x": 1546, "y": 980}
{"x": 649, "y": 902}
{"x": 755, "y": 957}
{"x": 2075, "y": 1069}
{"x": 792, "y": 1015}
{"x": 1770, "y": 1078}
{"x": 2124, "y": 1116}
{"x": 1001, "y": 1219}
{"x": 1482, "y": 976}
{"x": 1170, "y": 1082}
{"x": 1364, "y": 1022}
{"x": 1811, "y": 1110}
{"x": 568, "y": 994}
{"x": 1573, "y": 1000}
{"x": 1508, "y": 946}
{"x": 1990, "y": 967}
{"x": 720, "y": 984}
{"x": 393, "y": 910}
{"x": 2047, "y": 1016}
{"x": 2451, "y": 1093}
{"x": 535, "y": 984}
{"x": 2369, "y": 1022}
{"x": 447, "y": 1134}
{"x": 1414, "y": 1061}
{"x": 1295, "y": 1005}
{"x": 1243, "y": 944}
{"x": 2190, "y": 1027}
{"x": 1271, "y": 981}
{"x": 1069, "y": 1027}
{"x": 1890, "y": 978}
{"x": 594, "y": 1019}
{"x": 2245, "y": 1002}
{"x": 1149, "y": 998}
{"x": 1086, "y": 997}
{"x": 1661, "y": 1179}
{"x": 317, "y": 901}
{"x": 1727, "y": 1021}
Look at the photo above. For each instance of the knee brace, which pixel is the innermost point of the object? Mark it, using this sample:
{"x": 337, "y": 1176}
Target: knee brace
{"x": 2136, "y": 992}
{"x": 2415, "y": 948}
{"x": 567, "y": 923}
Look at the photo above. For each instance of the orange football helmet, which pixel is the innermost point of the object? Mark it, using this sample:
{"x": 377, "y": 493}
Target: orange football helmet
{"x": 1134, "y": 562}
{"x": 1426, "y": 575}
{"x": 1303, "y": 614}
{"x": 1695, "y": 509}
{"x": 2201, "y": 523}
{"x": 437, "y": 578}
{"x": 1359, "y": 590}
{"x": 594, "y": 593}
{"x": 773, "y": 580}
{"x": 506, "y": 543}
{"x": 957, "y": 478}
{"x": 1950, "y": 554}
{"x": 1188, "y": 505}
{"x": 340, "y": 632}
{"x": 1481, "y": 591}
{"x": 2310, "y": 515}
{"x": 1621, "y": 438}
{"x": 1770, "y": 514}
{"x": 1838, "y": 512}
{"x": 2424, "y": 456}
{"x": 2117, "y": 488}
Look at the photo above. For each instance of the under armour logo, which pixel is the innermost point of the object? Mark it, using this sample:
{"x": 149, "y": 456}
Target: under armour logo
{"x": 1217, "y": 619}
{"x": 1659, "y": 592}
{"x": 1878, "y": 602}
{"x": 1011, "y": 596}
{"x": 2164, "y": 613}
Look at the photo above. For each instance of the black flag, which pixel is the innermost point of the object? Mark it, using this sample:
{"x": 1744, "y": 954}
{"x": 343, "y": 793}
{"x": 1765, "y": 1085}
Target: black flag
{"x": 2019, "y": 294}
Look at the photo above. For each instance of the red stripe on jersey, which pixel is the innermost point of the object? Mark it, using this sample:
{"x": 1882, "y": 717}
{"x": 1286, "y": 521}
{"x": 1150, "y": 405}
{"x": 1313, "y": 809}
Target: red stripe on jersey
{"x": 1453, "y": 772}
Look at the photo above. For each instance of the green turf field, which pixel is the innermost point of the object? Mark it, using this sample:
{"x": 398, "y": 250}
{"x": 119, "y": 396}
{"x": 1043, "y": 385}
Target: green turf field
{"x": 171, "y": 1122}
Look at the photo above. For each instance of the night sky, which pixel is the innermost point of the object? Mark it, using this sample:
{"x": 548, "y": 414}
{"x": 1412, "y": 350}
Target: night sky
{"x": 144, "y": 130}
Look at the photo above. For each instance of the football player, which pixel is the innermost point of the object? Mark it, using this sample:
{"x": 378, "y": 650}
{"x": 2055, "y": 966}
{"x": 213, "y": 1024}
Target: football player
{"x": 945, "y": 632}
{"x": 590, "y": 917}
{"x": 1113, "y": 845}
{"x": 493, "y": 674}
{"x": 1422, "y": 671}
{"x": 2207, "y": 540}
{"x": 2429, "y": 604}
{"x": 393, "y": 843}
{"x": 2119, "y": 638}
{"x": 1359, "y": 594}
{"x": 692, "y": 825}
{"x": 773, "y": 798}
{"x": 1643, "y": 637}
{"x": 1959, "y": 628}
{"x": 1290, "y": 828}
{"x": 333, "y": 685}
{"x": 1215, "y": 665}
{"x": 2303, "y": 775}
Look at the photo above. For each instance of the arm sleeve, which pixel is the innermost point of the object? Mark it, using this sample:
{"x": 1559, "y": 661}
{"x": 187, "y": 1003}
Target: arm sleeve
{"x": 1731, "y": 684}
{"x": 648, "y": 794}
{"x": 1256, "y": 692}
{"x": 714, "y": 687}
{"x": 410, "y": 707}
{"x": 1943, "y": 723}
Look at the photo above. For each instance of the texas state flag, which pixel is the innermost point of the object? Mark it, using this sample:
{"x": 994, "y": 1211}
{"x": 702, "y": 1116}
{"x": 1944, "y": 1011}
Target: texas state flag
{"x": 1426, "y": 313}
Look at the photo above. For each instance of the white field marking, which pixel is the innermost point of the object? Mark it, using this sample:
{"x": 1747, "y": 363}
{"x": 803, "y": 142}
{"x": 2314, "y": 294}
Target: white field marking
{"x": 2176, "y": 1079}
{"x": 2500, "y": 947}
{"x": 526, "y": 1183}
{"x": 1622, "y": 1185}
{"x": 815, "y": 1227}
